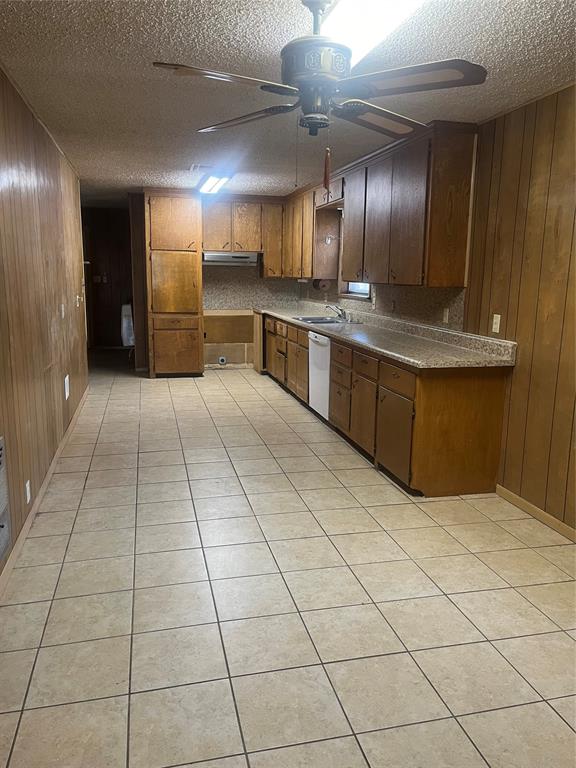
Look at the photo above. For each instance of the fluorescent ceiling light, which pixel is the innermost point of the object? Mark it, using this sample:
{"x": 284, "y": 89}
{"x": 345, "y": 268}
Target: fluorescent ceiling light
{"x": 213, "y": 184}
{"x": 362, "y": 24}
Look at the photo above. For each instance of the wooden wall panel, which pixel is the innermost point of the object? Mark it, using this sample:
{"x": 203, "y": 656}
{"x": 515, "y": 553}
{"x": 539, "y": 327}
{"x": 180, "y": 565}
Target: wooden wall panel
{"x": 522, "y": 268}
{"x": 139, "y": 299}
{"x": 40, "y": 271}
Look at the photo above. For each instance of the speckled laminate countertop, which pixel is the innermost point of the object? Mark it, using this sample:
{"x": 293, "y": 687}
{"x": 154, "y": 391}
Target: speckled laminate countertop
{"x": 418, "y": 346}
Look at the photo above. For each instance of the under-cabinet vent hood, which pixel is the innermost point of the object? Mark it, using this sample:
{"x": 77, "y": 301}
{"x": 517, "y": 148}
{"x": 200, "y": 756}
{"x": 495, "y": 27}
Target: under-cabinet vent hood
{"x": 228, "y": 258}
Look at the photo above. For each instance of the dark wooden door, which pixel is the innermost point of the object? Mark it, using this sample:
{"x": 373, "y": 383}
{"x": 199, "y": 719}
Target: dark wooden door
{"x": 394, "y": 433}
{"x": 339, "y": 407}
{"x": 176, "y": 281}
{"x": 353, "y": 226}
{"x": 363, "y": 412}
{"x": 408, "y": 219}
{"x": 377, "y": 226}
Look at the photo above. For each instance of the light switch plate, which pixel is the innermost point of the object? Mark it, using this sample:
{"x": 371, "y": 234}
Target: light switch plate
{"x": 28, "y": 492}
{"x": 496, "y": 323}
{"x": 66, "y": 386}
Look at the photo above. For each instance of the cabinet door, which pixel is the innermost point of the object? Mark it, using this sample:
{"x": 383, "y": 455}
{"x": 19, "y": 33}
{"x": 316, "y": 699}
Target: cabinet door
{"x": 307, "y": 233}
{"x": 377, "y": 226}
{"x": 353, "y": 226}
{"x": 175, "y": 281}
{"x": 339, "y": 407}
{"x": 302, "y": 374}
{"x": 217, "y": 226}
{"x": 270, "y": 352}
{"x": 297, "y": 222}
{"x": 292, "y": 366}
{"x": 280, "y": 366}
{"x": 247, "y": 227}
{"x": 175, "y": 224}
{"x": 408, "y": 220}
{"x": 287, "y": 269}
{"x": 272, "y": 220}
{"x": 178, "y": 351}
{"x": 394, "y": 433}
{"x": 327, "y": 243}
{"x": 363, "y": 412}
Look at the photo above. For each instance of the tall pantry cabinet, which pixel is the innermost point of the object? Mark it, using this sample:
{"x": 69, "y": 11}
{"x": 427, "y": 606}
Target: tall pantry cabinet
{"x": 174, "y": 283}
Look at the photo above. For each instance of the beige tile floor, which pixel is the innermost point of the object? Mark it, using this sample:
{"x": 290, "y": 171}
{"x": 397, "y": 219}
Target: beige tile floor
{"x": 217, "y": 579}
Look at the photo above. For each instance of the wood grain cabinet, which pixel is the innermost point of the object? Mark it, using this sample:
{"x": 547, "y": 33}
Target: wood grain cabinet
{"x": 232, "y": 225}
{"x": 174, "y": 285}
{"x": 272, "y": 225}
{"x": 298, "y": 236}
{"x": 339, "y": 406}
{"x": 406, "y": 213}
{"x": 175, "y": 223}
{"x": 287, "y": 356}
{"x": 394, "y": 433}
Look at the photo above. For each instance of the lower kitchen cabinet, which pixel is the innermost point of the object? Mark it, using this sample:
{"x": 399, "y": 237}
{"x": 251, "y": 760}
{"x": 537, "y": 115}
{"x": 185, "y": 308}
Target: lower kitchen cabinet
{"x": 363, "y": 412}
{"x": 178, "y": 351}
{"x": 394, "y": 433}
{"x": 340, "y": 402}
{"x": 287, "y": 356}
{"x": 302, "y": 373}
{"x": 292, "y": 366}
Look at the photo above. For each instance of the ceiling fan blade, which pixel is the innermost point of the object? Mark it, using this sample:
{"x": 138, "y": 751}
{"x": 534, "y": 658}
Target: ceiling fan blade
{"x": 421, "y": 77}
{"x": 183, "y": 70}
{"x": 277, "y": 109}
{"x": 376, "y": 119}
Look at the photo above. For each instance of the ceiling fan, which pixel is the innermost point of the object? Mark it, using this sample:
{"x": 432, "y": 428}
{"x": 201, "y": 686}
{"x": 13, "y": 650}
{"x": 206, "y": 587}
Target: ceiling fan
{"x": 316, "y": 72}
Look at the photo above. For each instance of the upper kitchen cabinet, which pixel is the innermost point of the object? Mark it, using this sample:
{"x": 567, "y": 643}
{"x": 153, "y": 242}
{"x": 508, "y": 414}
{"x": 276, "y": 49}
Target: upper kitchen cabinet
{"x": 325, "y": 197}
{"x": 298, "y": 240}
{"x": 175, "y": 282}
{"x": 175, "y": 223}
{"x": 353, "y": 226}
{"x": 406, "y": 212}
{"x": 246, "y": 226}
{"x": 232, "y": 226}
{"x": 272, "y": 223}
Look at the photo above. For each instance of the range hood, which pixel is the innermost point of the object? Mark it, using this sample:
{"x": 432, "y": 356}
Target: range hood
{"x": 231, "y": 258}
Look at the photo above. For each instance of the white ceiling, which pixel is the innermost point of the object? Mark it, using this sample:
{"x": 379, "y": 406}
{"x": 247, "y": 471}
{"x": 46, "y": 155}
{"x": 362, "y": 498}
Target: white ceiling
{"x": 85, "y": 68}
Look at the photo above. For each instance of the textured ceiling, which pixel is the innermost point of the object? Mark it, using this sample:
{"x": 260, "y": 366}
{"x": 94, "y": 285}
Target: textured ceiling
{"x": 85, "y": 67}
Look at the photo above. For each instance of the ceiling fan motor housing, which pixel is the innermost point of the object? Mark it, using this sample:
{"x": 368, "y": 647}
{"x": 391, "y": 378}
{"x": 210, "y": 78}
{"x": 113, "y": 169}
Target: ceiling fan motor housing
{"x": 314, "y": 65}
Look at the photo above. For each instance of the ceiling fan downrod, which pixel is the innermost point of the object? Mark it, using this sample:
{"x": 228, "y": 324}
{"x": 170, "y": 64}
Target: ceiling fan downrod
{"x": 317, "y": 9}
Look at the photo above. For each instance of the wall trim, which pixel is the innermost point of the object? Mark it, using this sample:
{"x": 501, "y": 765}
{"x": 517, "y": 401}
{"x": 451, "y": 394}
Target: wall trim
{"x": 19, "y": 543}
{"x": 536, "y": 512}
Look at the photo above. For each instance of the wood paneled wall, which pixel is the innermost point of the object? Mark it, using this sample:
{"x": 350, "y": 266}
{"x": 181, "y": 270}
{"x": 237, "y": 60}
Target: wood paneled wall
{"x": 522, "y": 268}
{"x": 40, "y": 270}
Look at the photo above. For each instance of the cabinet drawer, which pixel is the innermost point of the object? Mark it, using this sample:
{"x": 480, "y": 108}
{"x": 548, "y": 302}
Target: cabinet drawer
{"x": 398, "y": 380}
{"x": 281, "y": 328}
{"x": 175, "y": 323}
{"x": 341, "y": 376}
{"x": 303, "y": 338}
{"x": 292, "y": 333}
{"x": 341, "y": 355}
{"x": 281, "y": 345}
{"x": 270, "y": 324}
{"x": 366, "y": 366}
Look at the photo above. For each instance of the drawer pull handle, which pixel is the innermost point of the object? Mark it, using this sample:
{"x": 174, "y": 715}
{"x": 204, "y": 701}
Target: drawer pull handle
{"x": 395, "y": 375}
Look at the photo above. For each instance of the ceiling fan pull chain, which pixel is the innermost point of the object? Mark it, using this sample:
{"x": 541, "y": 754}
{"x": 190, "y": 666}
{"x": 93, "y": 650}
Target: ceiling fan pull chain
{"x": 297, "y": 153}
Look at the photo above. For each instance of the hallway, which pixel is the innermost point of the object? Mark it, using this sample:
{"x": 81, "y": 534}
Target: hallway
{"x": 217, "y": 579}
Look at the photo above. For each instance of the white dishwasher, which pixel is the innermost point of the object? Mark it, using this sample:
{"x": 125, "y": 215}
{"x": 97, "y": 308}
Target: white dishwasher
{"x": 318, "y": 373}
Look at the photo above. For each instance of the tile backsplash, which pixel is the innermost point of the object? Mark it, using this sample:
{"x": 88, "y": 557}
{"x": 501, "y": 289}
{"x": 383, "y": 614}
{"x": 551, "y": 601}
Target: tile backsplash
{"x": 244, "y": 288}
{"x": 403, "y": 302}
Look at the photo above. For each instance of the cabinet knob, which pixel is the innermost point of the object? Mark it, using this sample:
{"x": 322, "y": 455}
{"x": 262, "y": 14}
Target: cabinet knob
{"x": 393, "y": 274}
{"x": 382, "y": 398}
{"x": 395, "y": 375}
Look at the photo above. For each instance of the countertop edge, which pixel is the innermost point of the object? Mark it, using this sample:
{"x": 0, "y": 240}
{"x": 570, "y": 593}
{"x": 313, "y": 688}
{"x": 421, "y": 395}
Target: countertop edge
{"x": 487, "y": 361}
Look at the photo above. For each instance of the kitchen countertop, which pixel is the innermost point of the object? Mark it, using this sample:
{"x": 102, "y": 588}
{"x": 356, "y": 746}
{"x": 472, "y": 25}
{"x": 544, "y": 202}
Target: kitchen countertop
{"x": 418, "y": 346}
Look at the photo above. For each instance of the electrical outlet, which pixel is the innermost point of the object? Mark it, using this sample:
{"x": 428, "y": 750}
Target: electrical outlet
{"x": 62, "y": 311}
{"x": 445, "y": 315}
{"x": 28, "y": 492}
{"x": 66, "y": 386}
{"x": 496, "y": 323}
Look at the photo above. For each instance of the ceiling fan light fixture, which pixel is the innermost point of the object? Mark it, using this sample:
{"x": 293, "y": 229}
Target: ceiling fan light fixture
{"x": 362, "y": 24}
{"x": 213, "y": 184}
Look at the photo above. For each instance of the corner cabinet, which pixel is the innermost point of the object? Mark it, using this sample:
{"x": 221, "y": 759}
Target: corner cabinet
{"x": 174, "y": 285}
{"x": 406, "y": 213}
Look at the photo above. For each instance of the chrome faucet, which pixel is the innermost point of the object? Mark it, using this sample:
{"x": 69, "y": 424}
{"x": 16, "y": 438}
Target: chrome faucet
{"x": 339, "y": 311}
